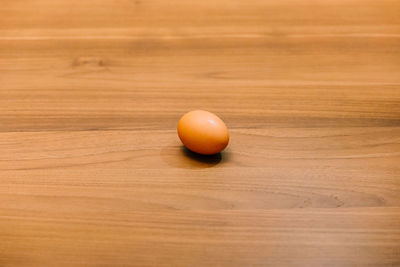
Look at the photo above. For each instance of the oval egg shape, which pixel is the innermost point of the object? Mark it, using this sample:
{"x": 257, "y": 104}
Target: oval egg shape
{"x": 203, "y": 132}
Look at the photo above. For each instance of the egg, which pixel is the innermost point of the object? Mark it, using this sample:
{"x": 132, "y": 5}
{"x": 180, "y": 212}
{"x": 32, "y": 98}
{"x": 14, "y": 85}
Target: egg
{"x": 203, "y": 132}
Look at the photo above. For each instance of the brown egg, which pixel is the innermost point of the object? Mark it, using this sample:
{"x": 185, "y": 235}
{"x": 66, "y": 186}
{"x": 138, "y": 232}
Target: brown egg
{"x": 203, "y": 132}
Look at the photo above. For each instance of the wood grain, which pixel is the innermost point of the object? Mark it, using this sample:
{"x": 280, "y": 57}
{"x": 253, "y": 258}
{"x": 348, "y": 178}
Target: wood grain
{"x": 92, "y": 172}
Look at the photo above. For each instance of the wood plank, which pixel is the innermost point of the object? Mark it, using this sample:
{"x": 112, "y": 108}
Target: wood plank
{"x": 115, "y": 197}
{"x": 323, "y": 237}
{"x": 132, "y": 85}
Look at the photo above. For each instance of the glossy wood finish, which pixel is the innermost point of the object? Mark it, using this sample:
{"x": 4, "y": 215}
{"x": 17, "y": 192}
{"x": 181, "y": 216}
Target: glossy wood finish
{"x": 91, "y": 169}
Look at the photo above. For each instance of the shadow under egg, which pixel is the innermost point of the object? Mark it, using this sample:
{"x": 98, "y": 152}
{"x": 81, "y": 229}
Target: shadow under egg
{"x": 179, "y": 156}
{"x": 208, "y": 159}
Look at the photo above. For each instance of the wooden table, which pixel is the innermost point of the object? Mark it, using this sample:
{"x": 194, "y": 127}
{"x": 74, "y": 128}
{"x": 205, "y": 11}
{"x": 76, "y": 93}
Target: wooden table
{"x": 92, "y": 172}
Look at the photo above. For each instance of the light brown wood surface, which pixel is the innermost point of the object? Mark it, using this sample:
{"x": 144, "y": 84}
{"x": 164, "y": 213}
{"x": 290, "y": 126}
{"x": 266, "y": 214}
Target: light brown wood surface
{"x": 92, "y": 172}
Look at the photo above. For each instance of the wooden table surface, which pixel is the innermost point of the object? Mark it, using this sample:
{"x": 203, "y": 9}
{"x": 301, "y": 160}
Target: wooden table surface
{"x": 91, "y": 169}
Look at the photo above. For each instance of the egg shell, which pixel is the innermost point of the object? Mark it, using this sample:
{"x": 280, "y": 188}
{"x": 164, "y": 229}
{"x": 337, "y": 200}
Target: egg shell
{"x": 203, "y": 132}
